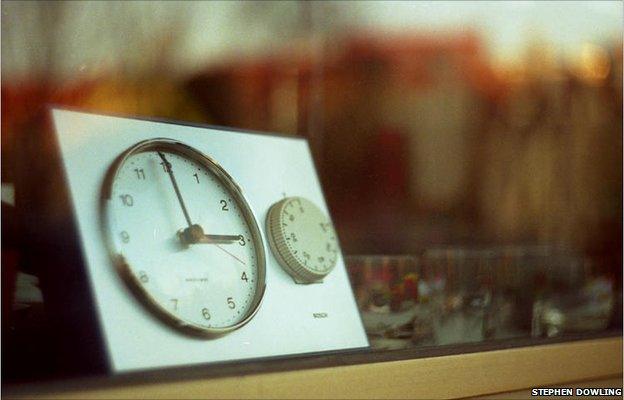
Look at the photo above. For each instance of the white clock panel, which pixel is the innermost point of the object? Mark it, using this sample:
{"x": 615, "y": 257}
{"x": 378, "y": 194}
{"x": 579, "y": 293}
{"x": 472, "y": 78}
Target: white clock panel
{"x": 203, "y": 245}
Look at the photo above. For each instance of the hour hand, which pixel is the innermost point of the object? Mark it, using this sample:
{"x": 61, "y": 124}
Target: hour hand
{"x": 195, "y": 235}
{"x": 219, "y": 239}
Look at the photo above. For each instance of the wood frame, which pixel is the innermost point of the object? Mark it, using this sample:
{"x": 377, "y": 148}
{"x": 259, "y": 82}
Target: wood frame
{"x": 458, "y": 375}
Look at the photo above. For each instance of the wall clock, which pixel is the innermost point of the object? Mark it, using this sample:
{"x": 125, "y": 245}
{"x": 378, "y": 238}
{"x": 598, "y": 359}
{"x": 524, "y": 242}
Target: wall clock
{"x": 182, "y": 232}
{"x": 183, "y": 238}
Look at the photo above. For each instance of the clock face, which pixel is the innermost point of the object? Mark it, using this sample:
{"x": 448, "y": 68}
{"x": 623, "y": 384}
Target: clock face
{"x": 183, "y": 237}
{"x": 302, "y": 239}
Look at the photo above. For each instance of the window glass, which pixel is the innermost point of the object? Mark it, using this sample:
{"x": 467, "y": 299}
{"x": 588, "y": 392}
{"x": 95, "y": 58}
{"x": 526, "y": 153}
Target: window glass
{"x": 470, "y": 154}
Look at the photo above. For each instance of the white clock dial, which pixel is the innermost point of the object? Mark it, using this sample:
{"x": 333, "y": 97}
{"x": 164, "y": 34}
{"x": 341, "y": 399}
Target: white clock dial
{"x": 183, "y": 237}
{"x": 302, "y": 239}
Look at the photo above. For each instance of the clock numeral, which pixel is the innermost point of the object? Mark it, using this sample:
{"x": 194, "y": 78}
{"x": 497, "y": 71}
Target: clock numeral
{"x": 143, "y": 277}
{"x": 293, "y": 237}
{"x": 127, "y": 200}
{"x": 244, "y": 277}
{"x": 125, "y": 236}
{"x": 224, "y": 205}
{"x": 196, "y": 177}
{"x": 140, "y": 173}
{"x": 175, "y": 304}
{"x": 205, "y": 313}
{"x": 324, "y": 226}
{"x": 241, "y": 240}
{"x": 231, "y": 303}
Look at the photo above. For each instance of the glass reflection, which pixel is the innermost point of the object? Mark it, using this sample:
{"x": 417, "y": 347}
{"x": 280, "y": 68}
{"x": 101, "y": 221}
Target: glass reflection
{"x": 431, "y": 124}
{"x": 461, "y": 295}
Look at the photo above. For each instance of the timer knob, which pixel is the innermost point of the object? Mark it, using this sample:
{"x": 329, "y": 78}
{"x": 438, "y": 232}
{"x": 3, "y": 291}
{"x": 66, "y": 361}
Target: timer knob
{"x": 302, "y": 239}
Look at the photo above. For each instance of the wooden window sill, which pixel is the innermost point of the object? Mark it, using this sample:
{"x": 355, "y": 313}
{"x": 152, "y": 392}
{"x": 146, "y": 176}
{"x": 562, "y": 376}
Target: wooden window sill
{"x": 450, "y": 376}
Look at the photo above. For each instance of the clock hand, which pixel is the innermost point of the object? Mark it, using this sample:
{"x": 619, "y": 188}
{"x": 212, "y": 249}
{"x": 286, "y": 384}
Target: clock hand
{"x": 233, "y": 256}
{"x": 175, "y": 187}
{"x": 221, "y": 239}
{"x": 194, "y": 234}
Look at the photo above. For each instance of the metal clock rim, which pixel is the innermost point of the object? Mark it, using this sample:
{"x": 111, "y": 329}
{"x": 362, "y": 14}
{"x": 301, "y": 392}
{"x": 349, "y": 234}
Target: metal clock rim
{"x": 124, "y": 270}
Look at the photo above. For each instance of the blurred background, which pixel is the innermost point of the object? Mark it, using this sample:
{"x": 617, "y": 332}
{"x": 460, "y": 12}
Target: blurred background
{"x": 432, "y": 124}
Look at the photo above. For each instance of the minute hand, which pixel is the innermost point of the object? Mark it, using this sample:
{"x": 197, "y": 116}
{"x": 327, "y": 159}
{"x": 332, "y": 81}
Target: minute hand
{"x": 175, "y": 187}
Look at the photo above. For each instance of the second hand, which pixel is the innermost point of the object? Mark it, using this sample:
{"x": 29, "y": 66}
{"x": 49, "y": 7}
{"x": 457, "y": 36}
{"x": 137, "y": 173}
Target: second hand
{"x": 236, "y": 258}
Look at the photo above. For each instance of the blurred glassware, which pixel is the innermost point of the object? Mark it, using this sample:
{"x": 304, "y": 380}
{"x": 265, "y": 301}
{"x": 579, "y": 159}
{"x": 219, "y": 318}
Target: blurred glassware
{"x": 387, "y": 290}
{"x": 585, "y": 310}
{"x": 461, "y": 295}
{"x": 462, "y": 283}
